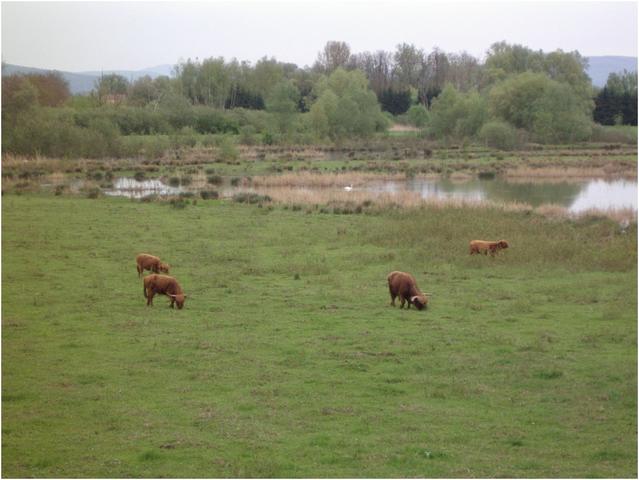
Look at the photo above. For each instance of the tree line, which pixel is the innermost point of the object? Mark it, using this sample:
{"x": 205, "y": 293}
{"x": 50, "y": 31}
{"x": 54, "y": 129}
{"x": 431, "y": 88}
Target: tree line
{"x": 516, "y": 95}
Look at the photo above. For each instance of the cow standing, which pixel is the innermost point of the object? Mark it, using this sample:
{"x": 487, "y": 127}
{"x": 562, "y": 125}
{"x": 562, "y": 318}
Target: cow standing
{"x": 403, "y": 285}
{"x": 144, "y": 261}
{"x": 482, "y": 246}
{"x": 163, "y": 285}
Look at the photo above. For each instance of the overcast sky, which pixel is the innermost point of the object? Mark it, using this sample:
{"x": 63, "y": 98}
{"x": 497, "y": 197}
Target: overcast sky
{"x": 81, "y": 36}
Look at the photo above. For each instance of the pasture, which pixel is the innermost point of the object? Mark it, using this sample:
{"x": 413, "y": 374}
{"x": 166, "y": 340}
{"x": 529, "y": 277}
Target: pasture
{"x": 287, "y": 360}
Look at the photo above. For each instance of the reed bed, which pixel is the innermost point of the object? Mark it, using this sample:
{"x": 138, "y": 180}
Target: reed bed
{"x": 575, "y": 172}
{"x": 360, "y": 201}
{"x": 319, "y": 180}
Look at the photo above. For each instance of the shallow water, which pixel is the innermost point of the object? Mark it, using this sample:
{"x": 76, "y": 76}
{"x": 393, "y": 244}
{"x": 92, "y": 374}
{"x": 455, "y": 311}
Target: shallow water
{"x": 129, "y": 187}
{"x": 576, "y": 196}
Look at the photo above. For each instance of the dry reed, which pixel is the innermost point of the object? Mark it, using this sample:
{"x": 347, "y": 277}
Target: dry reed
{"x": 412, "y": 200}
{"x": 316, "y": 180}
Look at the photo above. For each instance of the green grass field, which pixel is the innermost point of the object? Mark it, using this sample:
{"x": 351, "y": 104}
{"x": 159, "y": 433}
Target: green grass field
{"x": 287, "y": 360}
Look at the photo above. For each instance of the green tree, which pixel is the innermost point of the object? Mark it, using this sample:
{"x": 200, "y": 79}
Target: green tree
{"x": 283, "y": 102}
{"x": 458, "y": 115}
{"x": 346, "y": 107}
{"x": 504, "y": 60}
{"x": 558, "y": 116}
{"x": 418, "y": 116}
{"x": 333, "y": 56}
{"x": 408, "y": 62}
{"x": 111, "y": 86}
{"x": 514, "y": 99}
{"x": 19, "y": 96}
{"x": 550, "y": 110}
{"x": 142, "y": 92}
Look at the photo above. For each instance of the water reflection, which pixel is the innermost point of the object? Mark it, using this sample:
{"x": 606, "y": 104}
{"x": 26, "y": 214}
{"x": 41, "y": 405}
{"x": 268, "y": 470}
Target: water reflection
{"x": 577, "y": 196}
{"x": 129, "y": 187}
{"x": 601, "y": 194}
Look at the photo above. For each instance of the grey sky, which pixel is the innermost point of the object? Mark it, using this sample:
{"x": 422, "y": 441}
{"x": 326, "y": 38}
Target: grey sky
{"x": 79, "y": 36}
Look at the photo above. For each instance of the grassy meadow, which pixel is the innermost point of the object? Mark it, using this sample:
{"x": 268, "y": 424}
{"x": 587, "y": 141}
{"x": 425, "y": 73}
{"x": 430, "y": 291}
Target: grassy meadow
{"x": 287, "y": 360}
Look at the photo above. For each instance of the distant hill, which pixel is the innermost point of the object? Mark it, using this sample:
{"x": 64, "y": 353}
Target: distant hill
{"x": 153, "y": 72}
{"x": 84, "y": 82}
{"x": 600, "y": 67}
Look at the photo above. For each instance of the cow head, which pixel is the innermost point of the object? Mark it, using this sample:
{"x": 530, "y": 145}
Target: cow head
{"x": 503, "y": 244}
{"x": 163, "y": 267}
{"x": 420, "y": 301}
{"x": 179, "y": 299}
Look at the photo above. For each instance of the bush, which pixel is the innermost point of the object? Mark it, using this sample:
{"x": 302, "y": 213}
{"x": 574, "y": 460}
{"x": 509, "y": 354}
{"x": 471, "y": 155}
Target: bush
{"x": 247, "y": 197}
{"x": 209, "y": 120}
{"x": 498, "y": 134}
{"x": 93, "y": 192}
{"x": 227, "y": 149}
{"x": 209, "y": 194}
{"x": 178, "y": 203}
{"x": 248, "y": 135}
{"x": 215, "y": 179}
{"x": 418, "y": 116}
{"x": 458, "y": 115}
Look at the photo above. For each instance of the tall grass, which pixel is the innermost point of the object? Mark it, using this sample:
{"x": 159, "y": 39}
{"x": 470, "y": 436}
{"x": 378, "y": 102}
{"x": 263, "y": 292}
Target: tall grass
{"x": 362, "y": 201}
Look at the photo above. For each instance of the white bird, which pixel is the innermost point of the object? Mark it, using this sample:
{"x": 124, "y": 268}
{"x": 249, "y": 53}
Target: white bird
{"x": 624, "y": 224}
{"x": 349, "y": 188}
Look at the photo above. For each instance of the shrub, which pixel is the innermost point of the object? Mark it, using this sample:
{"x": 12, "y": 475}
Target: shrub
{"x": 498, "y": 134}
{"x": 418, "y": 116}
{"x": 209, "y": 194}
{"x": 247, "y": 197}
{"x": 93, "y": 192}
{"x": 178, "y": 203}
{"x": 215, "y": 179}
{"x": 227, "y": 149}
{"x": 248, "y": 135}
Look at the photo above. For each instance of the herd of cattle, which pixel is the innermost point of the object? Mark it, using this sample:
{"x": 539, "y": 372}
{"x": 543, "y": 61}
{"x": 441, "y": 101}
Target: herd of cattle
{"x": 400, "y": 284}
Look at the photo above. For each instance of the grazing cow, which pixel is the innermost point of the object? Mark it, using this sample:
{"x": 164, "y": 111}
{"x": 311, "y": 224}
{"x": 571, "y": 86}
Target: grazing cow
{"x": 403, "y": 285}
{"x": 145, "y": 261}
{"x": 164, "y": 285}
{"x": 481, "y": 246}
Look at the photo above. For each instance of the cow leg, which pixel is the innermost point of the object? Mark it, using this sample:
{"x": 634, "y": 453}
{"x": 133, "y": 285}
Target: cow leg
{"x": 392, "y": 298}
{"x": 149, "y": 296}
{"x": 172, "y": 302}
{"x": 403, "y": 301}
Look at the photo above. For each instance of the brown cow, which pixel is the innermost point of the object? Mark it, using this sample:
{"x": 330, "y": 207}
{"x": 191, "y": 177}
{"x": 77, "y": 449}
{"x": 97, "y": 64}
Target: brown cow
{"x": 403, "y": 285}
{"x": 164, "y": 285}
{"x": 145, "y": 261}
{"x": 481, "y": 246}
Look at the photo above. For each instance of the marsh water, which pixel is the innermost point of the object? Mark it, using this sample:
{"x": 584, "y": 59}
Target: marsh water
{"x": 575, "y": 195}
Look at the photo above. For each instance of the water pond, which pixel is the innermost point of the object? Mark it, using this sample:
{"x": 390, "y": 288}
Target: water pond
{"x": 575, "y": 195}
